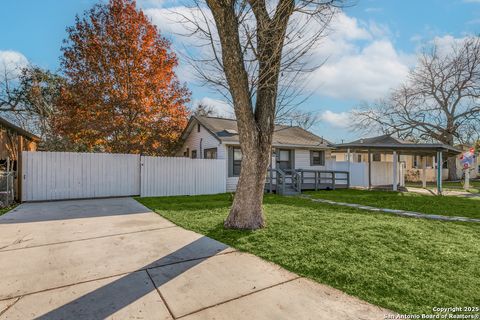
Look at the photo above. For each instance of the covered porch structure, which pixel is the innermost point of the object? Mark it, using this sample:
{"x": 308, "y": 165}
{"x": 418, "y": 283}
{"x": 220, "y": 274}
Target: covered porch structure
{"x": 389, "y": 145}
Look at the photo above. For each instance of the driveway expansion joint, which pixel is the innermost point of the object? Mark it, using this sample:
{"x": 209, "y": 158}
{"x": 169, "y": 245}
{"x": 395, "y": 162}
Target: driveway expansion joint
{"x": 83, "y": 239}
{"x": 160, "y": 294}
{"x": 10, "y": 305}
{"x": 239, "y": 297}
{"x": 118, "y": 275}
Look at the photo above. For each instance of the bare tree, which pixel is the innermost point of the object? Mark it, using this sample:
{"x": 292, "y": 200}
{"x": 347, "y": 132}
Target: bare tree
{"x": 439, "y": 101}
{"x": 256, "y": 53}
{"x": 204, "y": 110}
{"x": 28, "y": 97}
{"x": 302, "y": 119}
{"x": 10, "y": 99}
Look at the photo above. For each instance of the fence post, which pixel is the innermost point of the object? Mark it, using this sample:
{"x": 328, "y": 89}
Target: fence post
{"x": 333, "y": 180}
{"x": 20, "y": 172}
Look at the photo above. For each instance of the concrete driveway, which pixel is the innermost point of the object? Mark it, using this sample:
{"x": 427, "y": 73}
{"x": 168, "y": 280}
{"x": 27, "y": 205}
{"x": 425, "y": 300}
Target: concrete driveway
{"x": 114, "y": 258}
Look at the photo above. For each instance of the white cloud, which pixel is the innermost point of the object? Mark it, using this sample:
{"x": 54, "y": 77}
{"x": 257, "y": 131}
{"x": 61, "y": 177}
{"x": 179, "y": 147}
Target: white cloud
{"x": 366, "y": 75}
{"x": 361, "y": 60}
{"x": 446, "y": 43}
{"x": 220, "y": 107}
{"x": 336, "y": 119}
{"x": 12, "y": 61}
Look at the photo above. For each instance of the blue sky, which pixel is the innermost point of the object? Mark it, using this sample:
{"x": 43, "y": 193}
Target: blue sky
{"x": 371, "y": 47}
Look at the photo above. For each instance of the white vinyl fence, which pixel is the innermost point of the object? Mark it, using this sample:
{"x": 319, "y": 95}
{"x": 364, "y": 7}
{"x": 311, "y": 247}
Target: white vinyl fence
{"x": 69, "y": 175}
{"x": 162, "y": 176}
{"x": 382, "y": 172}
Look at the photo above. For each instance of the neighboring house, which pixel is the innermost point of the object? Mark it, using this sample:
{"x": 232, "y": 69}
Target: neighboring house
{"x": 217, "y": 138}
{"x": 411, "y": 155}
{"x": 14, "y": 140}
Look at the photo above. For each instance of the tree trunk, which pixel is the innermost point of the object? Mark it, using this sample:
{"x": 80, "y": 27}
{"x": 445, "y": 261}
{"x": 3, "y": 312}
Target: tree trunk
{"x": 452, "y": 161}
{"x": 246, "y": 211}
{"x": 452, "y": 168}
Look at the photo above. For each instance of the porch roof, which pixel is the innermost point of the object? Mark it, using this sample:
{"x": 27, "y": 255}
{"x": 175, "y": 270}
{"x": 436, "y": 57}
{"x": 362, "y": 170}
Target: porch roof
{"x": 390, "y": 144}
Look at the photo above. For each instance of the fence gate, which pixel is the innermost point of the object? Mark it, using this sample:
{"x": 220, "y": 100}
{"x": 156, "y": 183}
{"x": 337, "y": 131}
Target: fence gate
{"x": 71, "y": 175}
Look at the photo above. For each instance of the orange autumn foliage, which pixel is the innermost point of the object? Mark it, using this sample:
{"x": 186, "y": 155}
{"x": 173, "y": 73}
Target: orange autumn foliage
{"x": 122, "y": 94}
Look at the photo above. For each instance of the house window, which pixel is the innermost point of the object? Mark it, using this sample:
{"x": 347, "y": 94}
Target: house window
{"x": 284, "y": 159}
{"x": 317, "y": 158}
{"x": 194, "y": 154}
{"x": 186, "y": 153}
{"x": 377, "y": 156}
{"x": 198, "y": 127}
{"x": 359, "y": 158}
{"x": 236, "y": 161}
{"x": 210, "y": 153}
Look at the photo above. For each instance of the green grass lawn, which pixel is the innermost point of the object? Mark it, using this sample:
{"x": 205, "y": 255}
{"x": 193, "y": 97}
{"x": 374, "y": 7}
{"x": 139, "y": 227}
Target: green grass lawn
{"x": 443, "y": 205}
{"x": 404, "y": 264}
{"x": 448, "y": 185}
{"x": 6, "y": 209}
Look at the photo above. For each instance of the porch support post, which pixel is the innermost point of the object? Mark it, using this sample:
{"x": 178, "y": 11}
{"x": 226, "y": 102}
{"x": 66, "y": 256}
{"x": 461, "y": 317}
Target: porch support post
{"x": 369, "y": 169}
{"x": 424, "y": 172}
{"x": 439, "y": 172}
{"x": 395, "y": 173}
{"x": 348, "y": 159}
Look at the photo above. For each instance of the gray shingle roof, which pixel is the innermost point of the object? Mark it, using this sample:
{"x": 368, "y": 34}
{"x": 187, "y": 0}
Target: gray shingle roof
{"x": 389, "y": 143}
{"x": 226, "y": 131}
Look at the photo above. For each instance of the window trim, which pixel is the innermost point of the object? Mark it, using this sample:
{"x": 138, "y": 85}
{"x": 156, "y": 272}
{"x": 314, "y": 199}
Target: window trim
{"x": 322, "y": 158}
{"x": 239, "y": 162}
{"x": 291, "y": 159}
{"x": 205, "y": 151}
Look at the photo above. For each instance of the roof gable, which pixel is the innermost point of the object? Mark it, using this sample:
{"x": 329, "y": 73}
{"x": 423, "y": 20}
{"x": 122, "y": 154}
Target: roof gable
{"x": 226, "y": 131}
{"x": 384, "y": 139}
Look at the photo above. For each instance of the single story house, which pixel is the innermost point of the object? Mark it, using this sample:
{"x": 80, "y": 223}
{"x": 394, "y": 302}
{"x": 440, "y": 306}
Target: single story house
{"x": 217, "y": 138}
{"x": 383, "y": 148}
{"x": 411, "y": 157}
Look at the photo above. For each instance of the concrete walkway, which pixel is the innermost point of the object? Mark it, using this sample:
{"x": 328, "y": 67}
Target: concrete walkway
{"x": 448, "y": 192}
{"x": 403, "y": 213}
{"x": 113, "y": 258}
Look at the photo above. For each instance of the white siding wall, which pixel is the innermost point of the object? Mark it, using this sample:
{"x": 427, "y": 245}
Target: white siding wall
{"x": 302, "y": 159}
{"x": 203, "y": 138}
{"x": 232, "y": 183}
{"x": 415, "y": 175}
